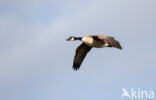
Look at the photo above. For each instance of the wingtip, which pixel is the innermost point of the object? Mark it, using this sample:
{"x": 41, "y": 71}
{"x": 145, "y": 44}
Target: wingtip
{"x": 76, "y": 67}
{"x": 120, "y": 48}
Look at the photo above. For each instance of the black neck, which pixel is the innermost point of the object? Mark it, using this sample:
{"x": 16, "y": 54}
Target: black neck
{"x": 78, "y": 38}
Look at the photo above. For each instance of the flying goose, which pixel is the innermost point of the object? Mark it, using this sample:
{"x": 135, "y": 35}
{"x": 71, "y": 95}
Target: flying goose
{"x": 91, "y": 41}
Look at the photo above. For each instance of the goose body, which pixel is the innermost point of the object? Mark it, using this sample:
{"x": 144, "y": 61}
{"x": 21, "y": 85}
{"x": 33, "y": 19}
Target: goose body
{"x": 89, "y": 42}
{"x": 94, "y": 41}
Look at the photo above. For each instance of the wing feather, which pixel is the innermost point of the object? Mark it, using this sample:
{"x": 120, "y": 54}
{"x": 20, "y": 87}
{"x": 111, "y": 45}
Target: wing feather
{"x": 81, "y": 52}
{"x": 111, "y": 41}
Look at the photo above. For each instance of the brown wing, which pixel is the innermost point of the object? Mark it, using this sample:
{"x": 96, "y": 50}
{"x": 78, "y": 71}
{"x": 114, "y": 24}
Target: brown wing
{"x": 81, "y": 52}
{"x": 111, "y": 41}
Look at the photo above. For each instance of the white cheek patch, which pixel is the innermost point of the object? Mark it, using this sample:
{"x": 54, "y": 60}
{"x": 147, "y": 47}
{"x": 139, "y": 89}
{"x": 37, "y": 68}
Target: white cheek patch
{"x": 72, "y": 39}
{"x": 106, "y": 44}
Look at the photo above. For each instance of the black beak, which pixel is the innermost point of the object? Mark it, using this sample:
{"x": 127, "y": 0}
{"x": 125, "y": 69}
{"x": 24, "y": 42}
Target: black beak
{"x": 68, "y": 39}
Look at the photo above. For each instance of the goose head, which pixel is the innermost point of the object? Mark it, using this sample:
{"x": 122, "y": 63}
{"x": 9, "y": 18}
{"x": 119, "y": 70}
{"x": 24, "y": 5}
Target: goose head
{"x": 71, "y": 38}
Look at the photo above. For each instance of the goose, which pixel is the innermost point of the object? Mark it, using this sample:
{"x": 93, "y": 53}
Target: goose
{"x": 89, "y": 42}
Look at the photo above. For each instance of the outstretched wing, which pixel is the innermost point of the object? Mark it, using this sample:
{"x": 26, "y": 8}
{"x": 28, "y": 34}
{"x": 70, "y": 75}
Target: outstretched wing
{"x": 111, "y": 41}
{"x": 81, "y": 52}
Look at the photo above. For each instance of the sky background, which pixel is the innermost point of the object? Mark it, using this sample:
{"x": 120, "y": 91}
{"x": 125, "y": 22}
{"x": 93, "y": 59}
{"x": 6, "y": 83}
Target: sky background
{"x": 36, "y": 60}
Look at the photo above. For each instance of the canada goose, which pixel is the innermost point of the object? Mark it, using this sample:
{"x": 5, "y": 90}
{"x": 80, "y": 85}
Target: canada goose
{"x": 96, "y": 41}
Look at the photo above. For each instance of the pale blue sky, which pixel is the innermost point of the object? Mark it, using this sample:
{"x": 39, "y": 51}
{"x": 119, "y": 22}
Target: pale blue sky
{"x": 36, "y": 61}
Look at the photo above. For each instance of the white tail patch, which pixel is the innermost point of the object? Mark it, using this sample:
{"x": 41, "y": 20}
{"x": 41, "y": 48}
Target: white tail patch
{"x": 106, "y": 44}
